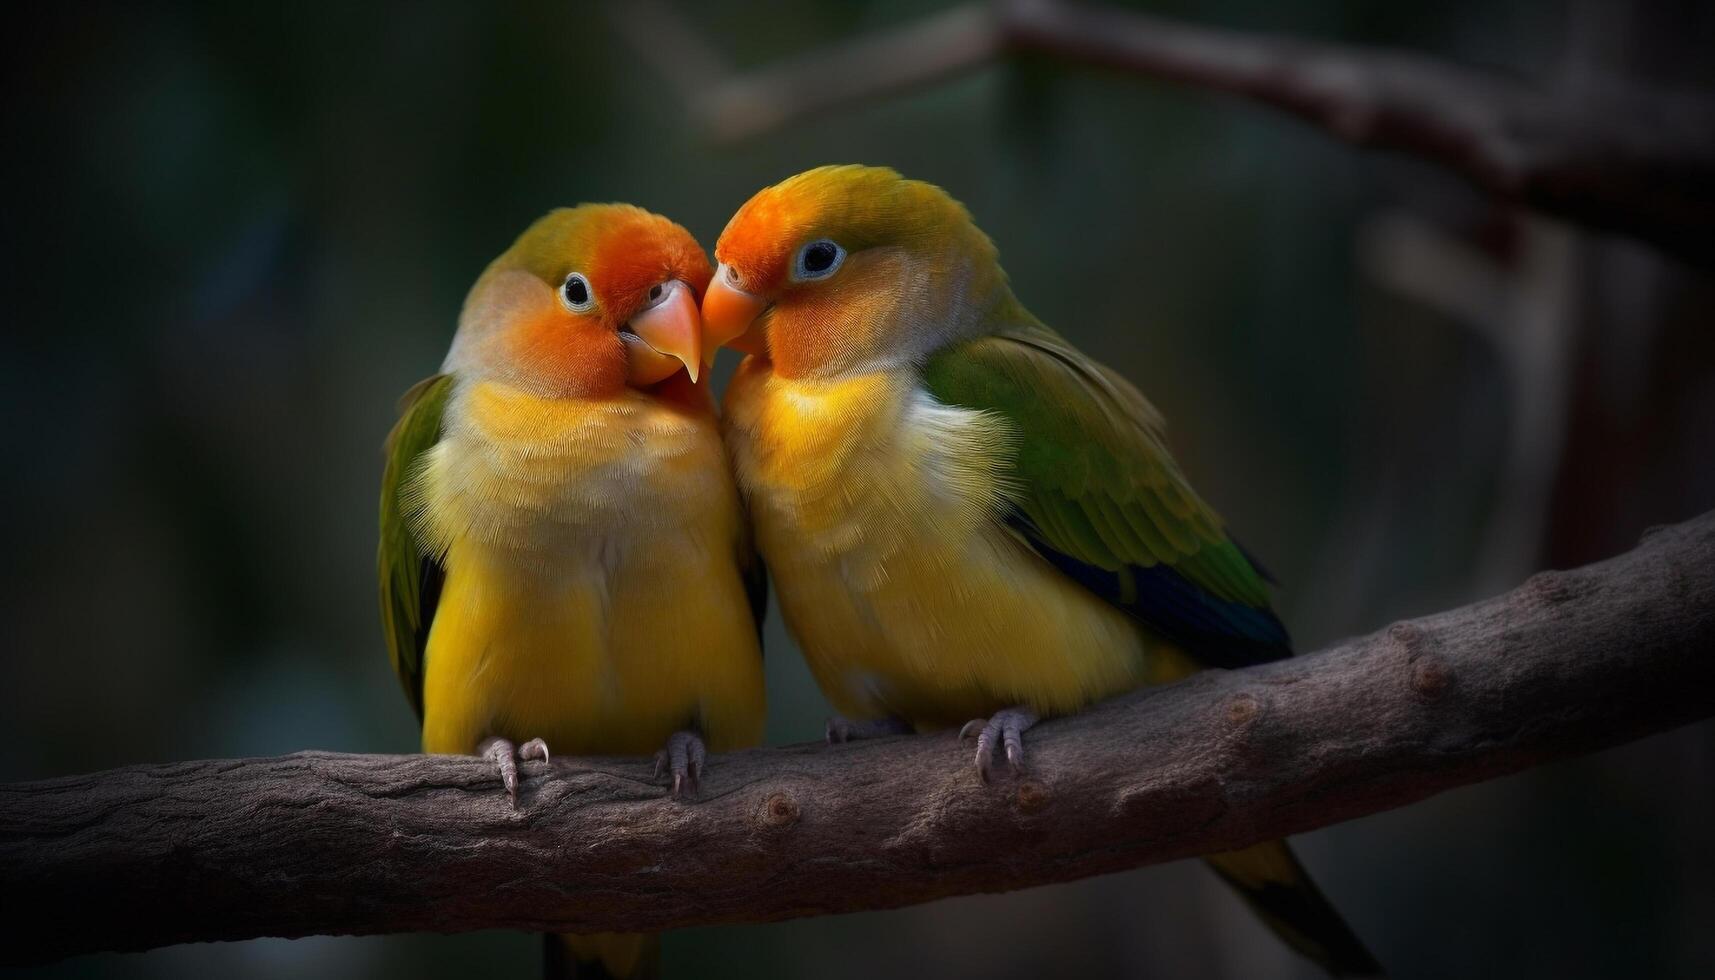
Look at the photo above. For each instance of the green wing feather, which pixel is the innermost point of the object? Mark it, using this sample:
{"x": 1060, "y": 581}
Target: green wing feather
{"x": 1098, "y": 494}
{"x": 410, "y": 579}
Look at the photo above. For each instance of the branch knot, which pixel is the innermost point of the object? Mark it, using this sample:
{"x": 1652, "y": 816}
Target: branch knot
{"x": 778, "y": 812}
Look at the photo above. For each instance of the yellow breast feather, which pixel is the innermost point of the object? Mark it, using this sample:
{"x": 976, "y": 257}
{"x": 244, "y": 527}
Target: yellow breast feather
{"x": 593, "y": 596}
{"x": 877, "y": 509}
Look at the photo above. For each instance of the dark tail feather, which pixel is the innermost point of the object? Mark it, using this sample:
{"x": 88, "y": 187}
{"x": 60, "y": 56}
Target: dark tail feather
{"x": 1272, "y": 882}
{"x": 607, "y": 956}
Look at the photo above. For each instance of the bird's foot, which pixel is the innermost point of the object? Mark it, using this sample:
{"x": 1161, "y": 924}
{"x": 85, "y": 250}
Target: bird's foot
{"x": 683, "y": 757}
{"x": 1007, "y": 728}
{"x": 506, "y": 757}
{"x": 845, "y": 730}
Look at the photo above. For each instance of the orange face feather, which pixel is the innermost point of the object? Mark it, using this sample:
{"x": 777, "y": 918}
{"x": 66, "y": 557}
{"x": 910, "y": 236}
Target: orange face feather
{"x": 913, "y": 264}
{"x": 568, "y": 356}
{"x": 518, "y": 326}
{"x": 632, "y": 250}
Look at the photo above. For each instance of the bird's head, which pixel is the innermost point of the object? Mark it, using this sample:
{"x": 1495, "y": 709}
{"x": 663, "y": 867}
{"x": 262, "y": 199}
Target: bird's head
{"x": 847, "y": 268}
{"x": 588, "y": 300}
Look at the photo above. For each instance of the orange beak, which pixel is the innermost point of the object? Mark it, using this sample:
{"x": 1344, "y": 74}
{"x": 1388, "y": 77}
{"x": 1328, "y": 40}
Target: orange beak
{"x": 729, "y": 316}
{"x": 665, "y": 336}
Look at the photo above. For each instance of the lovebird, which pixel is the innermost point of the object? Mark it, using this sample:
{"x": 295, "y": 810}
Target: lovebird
{"x": 965, "y": 517}
{"x": 564, "y": 561}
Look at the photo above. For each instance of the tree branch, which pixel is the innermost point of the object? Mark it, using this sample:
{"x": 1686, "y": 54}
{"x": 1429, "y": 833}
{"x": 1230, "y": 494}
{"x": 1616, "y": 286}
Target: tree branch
{"x": 1621, "y": 159}
{"x": 322, "y": 843}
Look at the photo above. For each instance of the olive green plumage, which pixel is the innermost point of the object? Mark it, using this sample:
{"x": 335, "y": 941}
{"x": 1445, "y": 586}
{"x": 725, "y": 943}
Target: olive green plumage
{"x": 410, "y": 580}
{"x": 1097, "y": 492}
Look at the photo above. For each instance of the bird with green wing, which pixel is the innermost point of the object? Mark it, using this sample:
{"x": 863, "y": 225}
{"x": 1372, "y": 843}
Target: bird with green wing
{"x": 970, "y": 522}
{"x": 564, "y": 561}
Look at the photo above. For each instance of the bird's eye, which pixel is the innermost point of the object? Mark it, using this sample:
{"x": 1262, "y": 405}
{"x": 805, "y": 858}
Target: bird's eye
{"x": 818, "y": 260}
{"x": 575, "y": 293}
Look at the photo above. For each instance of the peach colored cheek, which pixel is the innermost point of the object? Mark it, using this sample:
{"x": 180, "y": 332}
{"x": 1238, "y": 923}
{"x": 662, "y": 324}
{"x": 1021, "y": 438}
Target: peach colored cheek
{"x": 571, "y": 356}
{"x": 830, "y": 324}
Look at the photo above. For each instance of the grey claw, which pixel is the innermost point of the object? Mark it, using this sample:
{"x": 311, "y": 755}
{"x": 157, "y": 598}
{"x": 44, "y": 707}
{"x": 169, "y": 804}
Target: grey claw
{"x": 1014, "y": 741}
{"x": 985, "y": 750}
{"x": 1007, "y": 727}
{"x": 684, "y": 757}
{"x": 501, "y": 752}
{"x": 534, "y": 749}
{"x": 505, "y": 757}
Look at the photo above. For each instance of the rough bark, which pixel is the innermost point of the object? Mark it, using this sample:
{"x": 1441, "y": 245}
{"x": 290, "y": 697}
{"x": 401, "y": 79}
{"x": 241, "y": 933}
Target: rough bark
{"x": 323, "y": 843}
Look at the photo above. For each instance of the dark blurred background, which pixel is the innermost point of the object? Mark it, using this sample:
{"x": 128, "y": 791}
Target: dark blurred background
{"x": 234, "y": 234}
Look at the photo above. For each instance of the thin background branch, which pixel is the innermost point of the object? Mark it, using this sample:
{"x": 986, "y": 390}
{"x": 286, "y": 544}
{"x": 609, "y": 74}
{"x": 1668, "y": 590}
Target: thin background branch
{"x": 1616, "y": 158}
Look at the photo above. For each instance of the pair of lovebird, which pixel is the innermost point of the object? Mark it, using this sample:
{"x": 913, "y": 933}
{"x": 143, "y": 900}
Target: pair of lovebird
{"x": 965, "y": 517}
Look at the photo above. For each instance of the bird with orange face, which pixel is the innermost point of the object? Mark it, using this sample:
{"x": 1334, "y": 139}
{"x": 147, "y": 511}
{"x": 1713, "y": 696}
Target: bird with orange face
{"x": 564, "y": 561}
{"x": 964, "y": 515}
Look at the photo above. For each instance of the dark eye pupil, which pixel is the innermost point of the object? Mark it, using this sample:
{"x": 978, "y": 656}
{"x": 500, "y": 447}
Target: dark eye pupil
{"x": 577, "y": 292}
{"x": 655, "y": 292}
{"x": 819, "y": 257}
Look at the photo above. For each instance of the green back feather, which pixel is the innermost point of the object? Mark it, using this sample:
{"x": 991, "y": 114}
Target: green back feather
{"x": 410, "y": 579}
{"x": 1098, "y": 494}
